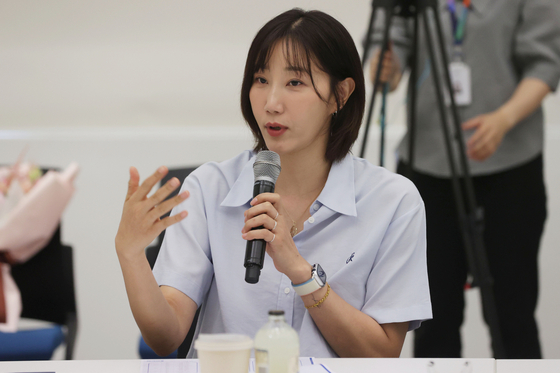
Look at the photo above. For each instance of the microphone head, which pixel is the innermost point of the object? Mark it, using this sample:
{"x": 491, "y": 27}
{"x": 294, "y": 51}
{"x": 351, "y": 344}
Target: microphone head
{"x": 267, "y": 166}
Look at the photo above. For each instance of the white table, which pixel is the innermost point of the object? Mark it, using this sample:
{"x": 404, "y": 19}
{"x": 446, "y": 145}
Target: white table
{"x": 528, "y": 366}
{"x": 336, "y": 365}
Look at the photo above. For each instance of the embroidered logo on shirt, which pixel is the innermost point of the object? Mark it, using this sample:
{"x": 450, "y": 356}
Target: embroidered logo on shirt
{"x": 351, "y": 257}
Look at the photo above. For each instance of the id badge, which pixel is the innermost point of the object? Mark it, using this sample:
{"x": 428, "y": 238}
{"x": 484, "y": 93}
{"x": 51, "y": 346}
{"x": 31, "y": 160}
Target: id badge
{"x": 461, "y": 81}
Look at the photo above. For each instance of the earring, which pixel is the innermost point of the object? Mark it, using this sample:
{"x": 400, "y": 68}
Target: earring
{"x": 335, "y": 114}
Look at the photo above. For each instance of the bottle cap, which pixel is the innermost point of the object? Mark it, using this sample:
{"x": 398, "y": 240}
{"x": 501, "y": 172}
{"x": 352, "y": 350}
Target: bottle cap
{"x": 276, "y": 312}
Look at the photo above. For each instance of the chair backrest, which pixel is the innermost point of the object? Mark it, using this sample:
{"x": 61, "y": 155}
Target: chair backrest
{"x": 46, "y": 283}
{"x": 153, "y": 251}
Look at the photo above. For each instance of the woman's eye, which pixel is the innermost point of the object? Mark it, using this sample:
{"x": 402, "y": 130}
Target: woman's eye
{"x": 294, "y": 83}
{"x": 260, "y": 80}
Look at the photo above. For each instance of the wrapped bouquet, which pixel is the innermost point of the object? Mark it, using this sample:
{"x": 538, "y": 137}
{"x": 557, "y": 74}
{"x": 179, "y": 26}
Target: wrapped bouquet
{"x": 31, "y": 205}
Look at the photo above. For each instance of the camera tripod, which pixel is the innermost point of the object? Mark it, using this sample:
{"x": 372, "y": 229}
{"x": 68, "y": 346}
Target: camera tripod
{"x": 471, "y": 216}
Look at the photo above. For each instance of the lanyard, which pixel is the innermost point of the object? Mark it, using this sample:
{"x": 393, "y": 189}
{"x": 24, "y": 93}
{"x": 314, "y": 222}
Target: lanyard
{"x": 458, "y": 21}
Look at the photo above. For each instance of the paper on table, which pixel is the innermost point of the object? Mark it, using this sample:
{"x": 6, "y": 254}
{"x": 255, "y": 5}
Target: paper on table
{"x": 169, "y": 366}
{"x": 191, "y": 366}
{"x": 317, "y": 368}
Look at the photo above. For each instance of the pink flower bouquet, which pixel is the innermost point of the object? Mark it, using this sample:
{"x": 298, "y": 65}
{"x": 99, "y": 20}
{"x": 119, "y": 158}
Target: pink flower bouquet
{"x": 30, "y": 210}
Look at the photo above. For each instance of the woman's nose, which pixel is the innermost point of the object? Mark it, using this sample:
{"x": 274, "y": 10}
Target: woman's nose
{"x": 274, "y": 100}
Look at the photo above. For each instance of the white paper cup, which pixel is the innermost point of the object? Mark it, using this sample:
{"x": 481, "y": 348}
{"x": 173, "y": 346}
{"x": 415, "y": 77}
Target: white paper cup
{"x": 219, "y": 353}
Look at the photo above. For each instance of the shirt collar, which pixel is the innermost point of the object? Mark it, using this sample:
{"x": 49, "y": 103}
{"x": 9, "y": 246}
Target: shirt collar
{"x": 242, "y": 190}
{"x": 338, "y": 193}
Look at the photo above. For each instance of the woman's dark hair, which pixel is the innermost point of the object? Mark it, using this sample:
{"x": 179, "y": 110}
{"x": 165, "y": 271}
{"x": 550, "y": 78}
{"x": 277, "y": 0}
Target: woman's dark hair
{"x": 309, "y": 38}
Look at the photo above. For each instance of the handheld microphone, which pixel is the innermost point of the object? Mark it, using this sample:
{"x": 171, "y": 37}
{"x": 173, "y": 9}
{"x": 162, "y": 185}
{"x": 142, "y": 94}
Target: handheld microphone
{"x": 266, "y": 170}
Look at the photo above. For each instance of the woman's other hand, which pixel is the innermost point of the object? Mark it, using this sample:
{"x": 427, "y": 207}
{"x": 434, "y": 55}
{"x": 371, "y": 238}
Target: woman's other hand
{"x": 140, "y": 222}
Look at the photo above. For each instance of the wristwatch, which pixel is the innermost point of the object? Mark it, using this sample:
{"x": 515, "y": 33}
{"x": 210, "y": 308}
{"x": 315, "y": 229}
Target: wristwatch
{"x": 317, "y": 281}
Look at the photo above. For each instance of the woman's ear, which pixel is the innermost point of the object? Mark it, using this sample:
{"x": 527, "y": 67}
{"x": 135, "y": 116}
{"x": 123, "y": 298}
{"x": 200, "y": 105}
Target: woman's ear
{"x": 345, "y": 89}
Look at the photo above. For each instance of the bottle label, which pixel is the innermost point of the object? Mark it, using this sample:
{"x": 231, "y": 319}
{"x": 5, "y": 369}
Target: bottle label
{"x": 261, "y": 361}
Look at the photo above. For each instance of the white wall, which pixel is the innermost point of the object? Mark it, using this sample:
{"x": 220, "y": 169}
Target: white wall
{"x": 111, "y": 84}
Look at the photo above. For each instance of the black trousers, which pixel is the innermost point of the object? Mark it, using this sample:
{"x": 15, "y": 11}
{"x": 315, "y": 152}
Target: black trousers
{"x": 514, "y": 203}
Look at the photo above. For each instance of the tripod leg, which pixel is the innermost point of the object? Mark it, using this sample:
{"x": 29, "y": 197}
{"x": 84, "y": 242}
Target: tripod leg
{"x": 457, "y": 191}
{"x": 367, "y": 45}
{"x": 377, "y": 84}
{"x": 412, "y": 96}
{"x": 443, "y": 115}
{"x": 455, "y": 114}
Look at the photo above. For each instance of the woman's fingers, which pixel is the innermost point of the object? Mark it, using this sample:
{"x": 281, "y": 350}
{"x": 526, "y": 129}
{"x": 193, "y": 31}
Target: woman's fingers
{"x": 148, "y": 184}
{"x": 263, "y": 213}
{"x": 132, "y": 182}
{"x": 263, "y": 234}
{"x": 263, "y": 204}
{"x": 265, "y": 197}
{"x": 162, "y": 193}
{"x": 140, "y": 193}
{"x": 260, "y": 220}
{"x": 265, "y": 208}
{"x": 169, "y": 221}
{"x": 166, "y": 206}
{"x": 140, "y": 221}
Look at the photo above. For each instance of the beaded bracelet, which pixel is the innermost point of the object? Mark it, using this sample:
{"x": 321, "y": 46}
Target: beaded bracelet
{"x": 322, "y": 299}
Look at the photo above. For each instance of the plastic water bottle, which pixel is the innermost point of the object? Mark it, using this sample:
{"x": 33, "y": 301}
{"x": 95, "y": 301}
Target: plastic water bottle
{"x": 277, "y": 346}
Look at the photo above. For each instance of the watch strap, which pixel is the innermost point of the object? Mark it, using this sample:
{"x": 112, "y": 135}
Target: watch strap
{"x": 309, "y": 286}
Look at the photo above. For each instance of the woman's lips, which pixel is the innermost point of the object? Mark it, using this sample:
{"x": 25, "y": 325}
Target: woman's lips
{"x": 275, "y": 129}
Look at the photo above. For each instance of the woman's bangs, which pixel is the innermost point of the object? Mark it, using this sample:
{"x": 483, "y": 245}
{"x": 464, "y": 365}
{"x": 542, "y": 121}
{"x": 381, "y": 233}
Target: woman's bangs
{"x": 297, "y": 56}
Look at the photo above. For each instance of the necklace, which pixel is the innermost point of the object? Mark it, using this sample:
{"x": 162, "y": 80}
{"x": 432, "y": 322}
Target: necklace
{"x": 293, "y": 230}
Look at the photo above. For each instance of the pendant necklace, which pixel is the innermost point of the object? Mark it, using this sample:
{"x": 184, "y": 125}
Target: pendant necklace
{"x": 293, "y": 230}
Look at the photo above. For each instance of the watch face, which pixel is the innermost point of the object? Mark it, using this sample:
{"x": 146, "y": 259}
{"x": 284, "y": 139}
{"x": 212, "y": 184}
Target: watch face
{"x": 320, "y": 273}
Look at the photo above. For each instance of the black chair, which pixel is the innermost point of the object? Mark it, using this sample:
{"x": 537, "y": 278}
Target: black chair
{"x": 46, "y": 284}
{"x": 152, "y": 252}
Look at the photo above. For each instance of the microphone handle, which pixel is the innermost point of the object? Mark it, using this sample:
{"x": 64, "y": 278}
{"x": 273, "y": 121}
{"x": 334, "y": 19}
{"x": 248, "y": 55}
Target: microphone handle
{"x": 254, "y": 253}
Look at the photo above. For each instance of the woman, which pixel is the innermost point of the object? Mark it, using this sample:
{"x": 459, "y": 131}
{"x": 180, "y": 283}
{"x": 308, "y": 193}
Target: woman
{"x": 303, "y": 98}
{"x": 512, "y": 50}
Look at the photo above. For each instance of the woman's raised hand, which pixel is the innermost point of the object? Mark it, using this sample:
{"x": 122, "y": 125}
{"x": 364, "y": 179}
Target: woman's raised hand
{"x": 140, "y": 222}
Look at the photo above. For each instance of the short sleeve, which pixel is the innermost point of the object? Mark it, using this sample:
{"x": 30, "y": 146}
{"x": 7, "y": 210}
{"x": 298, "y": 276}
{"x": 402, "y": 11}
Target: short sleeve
{"x": 537, "y": 41}
{"x": 184, "y": 261}
{"x": 397, "y": 288}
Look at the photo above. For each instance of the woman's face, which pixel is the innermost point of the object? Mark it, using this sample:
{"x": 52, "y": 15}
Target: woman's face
{"x": 292, "y": 118}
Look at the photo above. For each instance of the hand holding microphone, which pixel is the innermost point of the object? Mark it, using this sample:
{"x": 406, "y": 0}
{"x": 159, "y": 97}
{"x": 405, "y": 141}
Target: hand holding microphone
{"x": 266, "y": 226}
{"x": 266, "y": 170}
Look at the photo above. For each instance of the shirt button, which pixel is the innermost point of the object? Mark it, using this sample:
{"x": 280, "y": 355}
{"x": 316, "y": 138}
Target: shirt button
{"x": 311, "y": 219}
{"x": 287, "y": 290}
{"x": 316, "y": 207}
